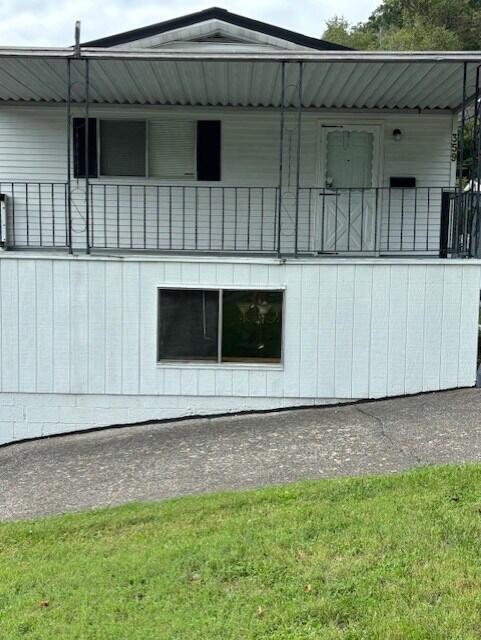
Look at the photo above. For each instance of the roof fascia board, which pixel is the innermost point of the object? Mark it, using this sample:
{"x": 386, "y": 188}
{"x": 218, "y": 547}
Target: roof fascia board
{"x": 288, "y": 56}
{"x": 37, "y": 52}
{"x": 275, "y": 56}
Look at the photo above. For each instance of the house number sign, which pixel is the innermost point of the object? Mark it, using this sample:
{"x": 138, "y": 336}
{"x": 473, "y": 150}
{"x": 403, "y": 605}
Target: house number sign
{"x": 454, "y": 147}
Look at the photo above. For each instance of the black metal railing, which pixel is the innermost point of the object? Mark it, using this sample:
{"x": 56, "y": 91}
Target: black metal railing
{"x": 36, "y": 214}
{"x": 461, "y": 227}
{"x": 240, "y": 219}
{"x": 371, "y": 220}
{"x": 183, "y": 218}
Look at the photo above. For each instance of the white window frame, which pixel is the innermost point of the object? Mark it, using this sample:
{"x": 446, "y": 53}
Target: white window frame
{"x": 219, "y": 363}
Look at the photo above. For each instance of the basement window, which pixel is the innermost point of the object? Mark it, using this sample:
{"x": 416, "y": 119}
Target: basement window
{"x": 206, "y": 325}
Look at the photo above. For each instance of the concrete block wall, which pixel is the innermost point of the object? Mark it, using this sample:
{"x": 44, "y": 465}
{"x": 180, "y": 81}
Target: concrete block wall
{"x": 29, "y": 415}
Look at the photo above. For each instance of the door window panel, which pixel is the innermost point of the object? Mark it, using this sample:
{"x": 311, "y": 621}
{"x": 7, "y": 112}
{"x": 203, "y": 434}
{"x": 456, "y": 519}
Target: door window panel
{"x": 349, "y": 158}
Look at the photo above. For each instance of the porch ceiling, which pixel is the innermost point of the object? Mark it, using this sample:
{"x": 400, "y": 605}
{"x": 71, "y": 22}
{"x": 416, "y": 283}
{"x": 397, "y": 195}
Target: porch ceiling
{"x": 331, "y": 80}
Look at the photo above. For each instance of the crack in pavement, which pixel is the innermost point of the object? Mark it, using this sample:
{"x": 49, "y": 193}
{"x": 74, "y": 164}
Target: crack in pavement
{"x": 382, "y": 428}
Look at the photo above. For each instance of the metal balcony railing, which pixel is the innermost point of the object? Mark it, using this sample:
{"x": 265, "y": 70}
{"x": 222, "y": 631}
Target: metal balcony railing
{"x": 461, "y": 229}
{"x": 429, "y": 221}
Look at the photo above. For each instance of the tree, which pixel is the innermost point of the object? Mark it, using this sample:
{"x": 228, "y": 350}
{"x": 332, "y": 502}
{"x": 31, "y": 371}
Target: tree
{"x": 414, "y": 25}
{"x": 357, "y": 36}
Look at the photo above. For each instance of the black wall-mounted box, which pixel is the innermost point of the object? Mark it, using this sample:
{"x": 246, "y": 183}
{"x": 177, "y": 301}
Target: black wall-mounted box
{"x": 398, "y": 182}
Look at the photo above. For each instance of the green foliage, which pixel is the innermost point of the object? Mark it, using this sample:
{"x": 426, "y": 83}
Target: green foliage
{"x": 391, "y": 557}
{"x": 413, "y": 25}
{"x": 417, "y": 37}
{"x": 358, "y": 36}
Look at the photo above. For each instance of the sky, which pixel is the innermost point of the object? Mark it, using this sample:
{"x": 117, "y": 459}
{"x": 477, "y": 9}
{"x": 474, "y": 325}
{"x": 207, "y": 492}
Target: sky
{"x": 51, "y": 22}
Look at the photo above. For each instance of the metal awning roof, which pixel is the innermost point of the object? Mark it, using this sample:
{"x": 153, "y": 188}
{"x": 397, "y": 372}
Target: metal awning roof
{"x": 332, "y": 79}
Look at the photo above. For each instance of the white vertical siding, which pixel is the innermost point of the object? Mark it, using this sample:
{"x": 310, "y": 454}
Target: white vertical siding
{"x": 45, "y": 326}
{"x": 380, "y": 314}
{"x": 469, "y": 308}
{"x": 434, "y": 304}
{"x": 78, "y": 303}
{"x": 96, "y": 308}
{"x": 451, "y": 325}
{"x": 27, "y": 329}
{"x": 415, "y": 329}
{"x": 10, "y": 338}
{"x": 351, "y": 329}
{"x": 361, "y": 331}
{"x": 78, "y": 337}
{"x": 61, "y": 320}
{"x": 344, "y": 326}
{"x": 397, "y": 353}
{"x": 114, "y": 320}
{"x": 326, "y": 338}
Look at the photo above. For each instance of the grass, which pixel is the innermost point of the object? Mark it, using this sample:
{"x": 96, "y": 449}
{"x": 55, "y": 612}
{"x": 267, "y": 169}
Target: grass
{"x": 390, "y": 557}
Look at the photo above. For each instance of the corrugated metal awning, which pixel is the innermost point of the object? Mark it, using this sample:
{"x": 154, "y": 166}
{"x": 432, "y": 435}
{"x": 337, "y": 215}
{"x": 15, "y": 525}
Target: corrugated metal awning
{"x": 331, "y": 79}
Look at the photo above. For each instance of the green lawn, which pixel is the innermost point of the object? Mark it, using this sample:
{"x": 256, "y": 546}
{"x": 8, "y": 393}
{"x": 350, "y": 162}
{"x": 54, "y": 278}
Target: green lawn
{"x": 378, "y": 558}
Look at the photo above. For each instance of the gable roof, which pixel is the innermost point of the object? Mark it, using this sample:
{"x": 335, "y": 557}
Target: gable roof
{"x": 215, "y": 13}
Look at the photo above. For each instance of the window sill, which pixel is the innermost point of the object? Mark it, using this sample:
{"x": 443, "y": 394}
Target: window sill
{"x": 121, "y": 181}
{"x": 221, "y": 366}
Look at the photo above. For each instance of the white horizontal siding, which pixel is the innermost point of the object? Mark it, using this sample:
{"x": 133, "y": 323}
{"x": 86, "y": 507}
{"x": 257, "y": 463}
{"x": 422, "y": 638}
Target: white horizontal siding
{"x": 33, "y": 148}
{"x": 33, "y": 145}
{"x": 424, "y": 153}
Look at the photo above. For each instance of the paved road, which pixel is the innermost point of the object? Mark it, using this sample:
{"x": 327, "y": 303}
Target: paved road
{"x": 113, "y": 466}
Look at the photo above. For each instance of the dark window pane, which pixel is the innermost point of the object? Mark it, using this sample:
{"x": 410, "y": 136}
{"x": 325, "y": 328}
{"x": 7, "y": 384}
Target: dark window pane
{"x": 78, "y": 125}
{"x": 188, "y": 324}
{"x": 208, "y": 149}
{"x": 252, "y": 326}
{"x": 122, "y": 148}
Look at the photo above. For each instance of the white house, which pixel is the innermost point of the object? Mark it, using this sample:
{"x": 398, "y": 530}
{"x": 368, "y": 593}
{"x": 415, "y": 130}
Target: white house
{"x": 213, "y": 214}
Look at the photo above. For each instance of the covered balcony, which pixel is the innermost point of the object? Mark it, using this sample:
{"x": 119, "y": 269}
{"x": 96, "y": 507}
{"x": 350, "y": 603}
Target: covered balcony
{"x": 323, "y": 175}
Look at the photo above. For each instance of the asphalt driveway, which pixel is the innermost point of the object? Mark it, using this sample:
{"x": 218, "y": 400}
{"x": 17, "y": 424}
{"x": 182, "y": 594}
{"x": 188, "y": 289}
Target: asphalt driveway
{"x": 158, "y": 461}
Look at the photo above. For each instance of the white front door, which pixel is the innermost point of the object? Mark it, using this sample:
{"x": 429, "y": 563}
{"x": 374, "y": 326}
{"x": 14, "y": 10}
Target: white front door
{"x": 348, "y": 199}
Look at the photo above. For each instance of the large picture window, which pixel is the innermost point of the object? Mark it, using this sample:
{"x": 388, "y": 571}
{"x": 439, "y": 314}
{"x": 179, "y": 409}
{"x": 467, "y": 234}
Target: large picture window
{"x": 220, "y": 325}
{"x": 167, "y": 148}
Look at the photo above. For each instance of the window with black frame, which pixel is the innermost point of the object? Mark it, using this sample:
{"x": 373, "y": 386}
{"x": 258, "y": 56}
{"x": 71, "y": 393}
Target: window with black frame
{"x": 166, "y": 148}
{"x": 220, "y": 325}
